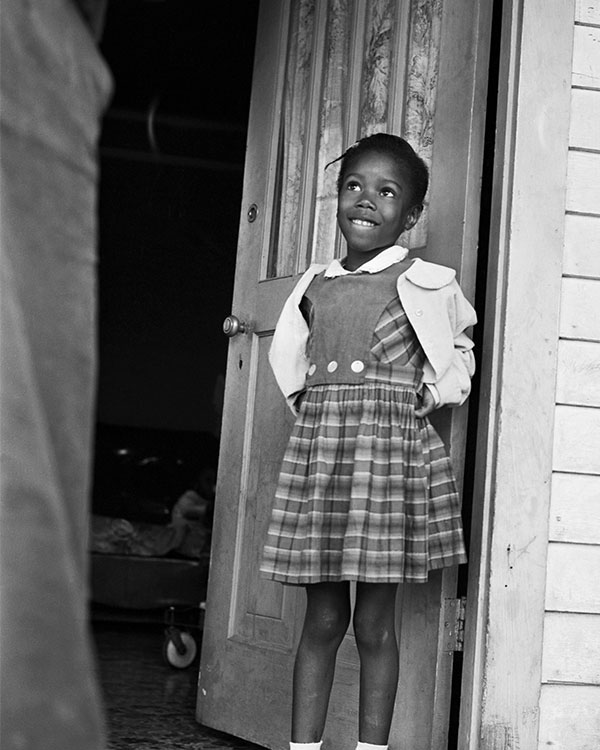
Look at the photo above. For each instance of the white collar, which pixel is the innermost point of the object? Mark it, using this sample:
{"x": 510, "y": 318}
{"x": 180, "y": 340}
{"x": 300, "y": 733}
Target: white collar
{"x": 380, "y": 262}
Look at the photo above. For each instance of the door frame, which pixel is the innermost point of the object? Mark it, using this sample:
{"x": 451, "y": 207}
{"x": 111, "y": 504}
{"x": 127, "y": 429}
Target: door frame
{"x": 504, "y": 629}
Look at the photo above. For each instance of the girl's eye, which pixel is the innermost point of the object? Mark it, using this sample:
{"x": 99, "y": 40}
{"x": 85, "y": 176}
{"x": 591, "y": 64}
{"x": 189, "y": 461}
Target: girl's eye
{"x": 352, "y": 186}
{"x": 388, "y": 192}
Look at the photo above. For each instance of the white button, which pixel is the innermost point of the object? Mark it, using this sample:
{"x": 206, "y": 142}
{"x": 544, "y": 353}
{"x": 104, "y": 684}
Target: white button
{"x": 312, "y": 369}
{"x": 332, "y": 366}
{"x": 357, "y": 366}
{"x": 419, "y": 313}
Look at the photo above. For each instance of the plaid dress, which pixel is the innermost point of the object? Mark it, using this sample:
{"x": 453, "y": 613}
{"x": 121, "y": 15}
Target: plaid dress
{"x": 366, "y": 490}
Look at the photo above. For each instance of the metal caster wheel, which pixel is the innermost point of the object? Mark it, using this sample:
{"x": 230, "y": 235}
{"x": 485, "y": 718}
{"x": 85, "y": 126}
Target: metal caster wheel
{"x": 179, "y": 648}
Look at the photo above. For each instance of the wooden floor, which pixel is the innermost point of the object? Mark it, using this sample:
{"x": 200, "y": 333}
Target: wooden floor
{"x": 149, "y": 704}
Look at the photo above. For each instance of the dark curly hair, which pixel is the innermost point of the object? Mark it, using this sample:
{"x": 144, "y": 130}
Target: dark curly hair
{"x": 396, "y": 147}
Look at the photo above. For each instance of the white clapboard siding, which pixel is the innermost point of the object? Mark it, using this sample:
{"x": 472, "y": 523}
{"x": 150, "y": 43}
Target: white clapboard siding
{"x": 570, "y": 713}
{"x": 583, "y": 180}
{"x": 585, "y": 119}
{"x": 569, "y": 717}
{"x": 587, "y": 11}
{"x": 573, "y": 580}
{"x": 575, "y": 508}
{"x": 578, "y": 373}
{"x": 580, "y": 309}
{"x": 571, "y": 648}
{"x": 586, "y": 57}
{"x": 576, "y": 440}
{"x": 582, "y": 245}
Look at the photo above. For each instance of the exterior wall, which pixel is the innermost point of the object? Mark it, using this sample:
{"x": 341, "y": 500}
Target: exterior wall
{"x": 570, "y": 694}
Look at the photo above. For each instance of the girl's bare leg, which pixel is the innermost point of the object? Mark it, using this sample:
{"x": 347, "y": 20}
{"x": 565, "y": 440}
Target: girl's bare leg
{"x": 374, "y": 627}
{"x": 325, "y": 624}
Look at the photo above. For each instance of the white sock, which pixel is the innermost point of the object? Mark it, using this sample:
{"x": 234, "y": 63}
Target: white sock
{"x": 306, "y": 745}
{"x": 368, "y": 746}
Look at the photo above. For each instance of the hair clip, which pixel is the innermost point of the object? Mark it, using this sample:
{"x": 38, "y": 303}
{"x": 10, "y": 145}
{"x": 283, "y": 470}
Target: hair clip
{"x": 341, "y": 156}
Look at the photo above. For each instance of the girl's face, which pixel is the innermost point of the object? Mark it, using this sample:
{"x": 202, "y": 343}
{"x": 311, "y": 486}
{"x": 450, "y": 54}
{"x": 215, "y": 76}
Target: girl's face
{"x": 374, "y": 206}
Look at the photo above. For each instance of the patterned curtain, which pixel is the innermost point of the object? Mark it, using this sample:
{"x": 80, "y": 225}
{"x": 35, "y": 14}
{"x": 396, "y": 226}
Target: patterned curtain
{"x": 374, "y": 69}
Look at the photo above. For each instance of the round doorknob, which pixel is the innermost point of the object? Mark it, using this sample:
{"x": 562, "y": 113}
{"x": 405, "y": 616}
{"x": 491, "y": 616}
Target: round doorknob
{"x": 232, "y": 325}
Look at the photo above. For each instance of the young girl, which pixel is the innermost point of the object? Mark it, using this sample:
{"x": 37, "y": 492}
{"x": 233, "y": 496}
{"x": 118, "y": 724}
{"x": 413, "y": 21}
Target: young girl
{"x": 364, "y": 350}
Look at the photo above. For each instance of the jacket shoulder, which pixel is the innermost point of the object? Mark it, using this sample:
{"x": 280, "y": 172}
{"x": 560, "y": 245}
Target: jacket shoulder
{"x": 430, "y": 275}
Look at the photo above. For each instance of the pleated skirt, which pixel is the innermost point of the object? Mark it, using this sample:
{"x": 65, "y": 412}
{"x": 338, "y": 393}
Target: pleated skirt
{"x": 366, "y": 490}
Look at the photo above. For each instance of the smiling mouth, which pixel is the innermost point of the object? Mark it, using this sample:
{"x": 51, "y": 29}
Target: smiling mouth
{"x": 363, "y": 223}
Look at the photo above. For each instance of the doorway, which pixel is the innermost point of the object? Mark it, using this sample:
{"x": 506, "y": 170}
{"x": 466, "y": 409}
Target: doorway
{"x": 170, "y": 189}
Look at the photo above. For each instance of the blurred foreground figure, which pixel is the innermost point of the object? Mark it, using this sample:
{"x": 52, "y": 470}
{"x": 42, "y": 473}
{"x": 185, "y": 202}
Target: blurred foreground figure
{"x": 54, "y": 89}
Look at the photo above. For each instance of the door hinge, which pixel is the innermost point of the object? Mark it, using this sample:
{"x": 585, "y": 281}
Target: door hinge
{"x": 454, "y": 624}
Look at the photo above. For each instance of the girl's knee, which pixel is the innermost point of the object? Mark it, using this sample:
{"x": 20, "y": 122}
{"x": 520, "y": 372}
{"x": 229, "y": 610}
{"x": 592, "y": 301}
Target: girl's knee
{"x": 372, "y": 633}
{"x": 326, "y": 624}
{"x": 374, "y": 617}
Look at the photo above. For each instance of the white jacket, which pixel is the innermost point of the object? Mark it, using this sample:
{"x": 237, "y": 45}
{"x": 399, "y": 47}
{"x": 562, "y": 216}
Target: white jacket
{"x": 437, "y": 310}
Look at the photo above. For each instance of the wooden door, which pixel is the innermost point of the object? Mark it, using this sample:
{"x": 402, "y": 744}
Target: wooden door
{"x": 326, "y": 73}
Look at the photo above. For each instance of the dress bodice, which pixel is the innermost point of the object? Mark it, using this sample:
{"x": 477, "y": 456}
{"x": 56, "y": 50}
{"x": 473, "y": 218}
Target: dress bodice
{"x": 357, "y": 327}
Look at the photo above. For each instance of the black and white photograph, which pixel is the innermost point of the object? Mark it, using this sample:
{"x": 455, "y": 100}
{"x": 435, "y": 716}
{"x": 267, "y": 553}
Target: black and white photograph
{"x": 300, "y": 375}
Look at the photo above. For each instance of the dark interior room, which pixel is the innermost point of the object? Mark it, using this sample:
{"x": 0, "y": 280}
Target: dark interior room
{"x": 171, "y": 154}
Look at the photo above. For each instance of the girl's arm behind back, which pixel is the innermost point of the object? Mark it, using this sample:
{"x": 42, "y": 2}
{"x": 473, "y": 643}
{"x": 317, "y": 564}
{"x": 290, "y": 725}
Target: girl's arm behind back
{"x": 440, "y": 315}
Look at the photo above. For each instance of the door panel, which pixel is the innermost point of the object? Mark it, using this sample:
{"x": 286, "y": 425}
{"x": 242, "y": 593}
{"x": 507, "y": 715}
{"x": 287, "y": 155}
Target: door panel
{"x": 261, "y": 611}
{"x": 326, "y": 73}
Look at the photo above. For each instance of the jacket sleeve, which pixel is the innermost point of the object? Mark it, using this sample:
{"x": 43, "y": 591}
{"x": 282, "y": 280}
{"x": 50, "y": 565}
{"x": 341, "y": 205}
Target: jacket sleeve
{"x": 453, "y": 386}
